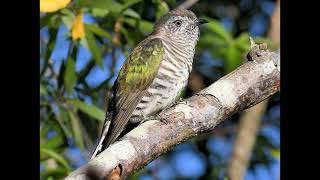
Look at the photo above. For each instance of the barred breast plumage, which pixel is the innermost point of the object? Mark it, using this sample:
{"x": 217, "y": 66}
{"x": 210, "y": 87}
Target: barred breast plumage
{"x": 171, "y": 79}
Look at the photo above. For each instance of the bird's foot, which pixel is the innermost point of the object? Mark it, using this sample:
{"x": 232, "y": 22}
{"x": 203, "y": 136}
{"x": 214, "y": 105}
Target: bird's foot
{"x": 156, "y": 117}
{"x": 179, "y": 101}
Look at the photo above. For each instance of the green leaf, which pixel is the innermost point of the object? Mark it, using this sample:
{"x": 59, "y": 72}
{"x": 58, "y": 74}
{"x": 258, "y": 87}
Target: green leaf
{"x": 67, "y": 18}
{"x": 275, "y": 153}
{"x": 43, "y": 89}
{"x": 131, "y": 13}
{"x": 101, "y": 4}
{"x": 93, "y": 47}
{"x": 232, "y": 58}
{"x": 129, "y": 3}
{"x": 98, "y": 12}
{"x": 53, "y": 142}
{"x": 215, "y": 27}
{"x": 70, "y": 75}
{"x": 162, "y": 8}
{"x": 144, "y": 26}
{"x": 242, "y": 41}
{"x": 99, "y": 31}
{"x": 91, "y": 110}
{"x": 76, "y": 129}
{"x": 56, "y": 156}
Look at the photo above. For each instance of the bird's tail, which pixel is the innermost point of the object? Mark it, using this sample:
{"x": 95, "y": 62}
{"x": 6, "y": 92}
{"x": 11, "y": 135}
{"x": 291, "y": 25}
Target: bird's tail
{"x": 102, "y": 138}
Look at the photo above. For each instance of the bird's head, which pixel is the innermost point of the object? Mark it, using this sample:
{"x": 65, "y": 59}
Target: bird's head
{"x": 179, "y": 24}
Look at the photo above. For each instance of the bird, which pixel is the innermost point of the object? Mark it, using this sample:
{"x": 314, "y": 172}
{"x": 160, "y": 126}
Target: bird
{"x": 153, "y": 76}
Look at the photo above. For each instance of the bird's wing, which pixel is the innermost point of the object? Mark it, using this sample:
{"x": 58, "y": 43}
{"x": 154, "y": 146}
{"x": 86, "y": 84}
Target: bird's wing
{"x": 135, "y": 77}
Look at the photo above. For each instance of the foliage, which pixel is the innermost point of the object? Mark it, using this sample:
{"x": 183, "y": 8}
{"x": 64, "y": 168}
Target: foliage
{"x": 71, "y": 108}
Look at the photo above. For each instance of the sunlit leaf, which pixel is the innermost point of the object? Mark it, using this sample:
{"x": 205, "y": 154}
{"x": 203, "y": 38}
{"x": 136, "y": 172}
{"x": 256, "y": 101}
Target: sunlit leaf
{"x": 144, "y": 26}
{"x": 55, "y": 156}
{"x": 70, "y": 76}
{"x": 67, "y": 18}
{"x": 275, "y": 153}
{"x": 53, "y": 5}
{"x": 162, "y": 8}
{"x": 91, "y": 110}
{"x": 76, "y": 129}
{"x": 131, "y": 13}
{"x": 242, "y": 41}
{"x": 219, "y": 30}
{"x": 129, "y": 3}
{"x": 43, "y": 89}
{"x": 233, "y": 58}
{"x": 98, "y": 31}
{"x": 98, "y": 12}
{"x": 93, "y": 47}
{"x": 77, "y": 30}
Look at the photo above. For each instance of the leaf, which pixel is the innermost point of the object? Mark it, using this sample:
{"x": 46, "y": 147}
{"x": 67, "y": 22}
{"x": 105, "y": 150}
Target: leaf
{"x": 144, "y": 26}
{"x": 275, "y": 153}
{"x": 70, "y": 76}
{"x": 76, "y": 129}
{"x": 56, "y": 156}
{"x": 131, "y": 13}
{"x": 110, "y": 5}
{"x": 43, "y": 89}
{"x": 67, "y": 18}
{"x": 93, "y": 47}
{"x": 99, "y": 31}
{"x": 98, "y": 12}
{"x": 129, "y": 3}
{"x": 91, "y": 110}
{"x": 233, "y": 58}
{"x": 53, "y": 142}
{"x": 52, "y": 5}
{"x": 77, "y": 30}
{"x": 162, "y": 8}
{"x": 215, "y": 27}
{"x": 242, "y": 41}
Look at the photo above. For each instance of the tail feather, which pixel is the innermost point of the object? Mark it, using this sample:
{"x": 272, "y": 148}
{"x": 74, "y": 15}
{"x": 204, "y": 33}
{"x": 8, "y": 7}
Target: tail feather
{"x": 102, "y": 138}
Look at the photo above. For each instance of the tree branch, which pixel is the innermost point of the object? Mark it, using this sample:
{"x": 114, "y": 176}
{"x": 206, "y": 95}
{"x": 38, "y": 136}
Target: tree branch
{"x": 246, "y": 86}
{"x": 187, "y": 4}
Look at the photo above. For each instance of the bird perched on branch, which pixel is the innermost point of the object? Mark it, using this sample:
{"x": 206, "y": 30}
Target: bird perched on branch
{"x": 153, "y": 75}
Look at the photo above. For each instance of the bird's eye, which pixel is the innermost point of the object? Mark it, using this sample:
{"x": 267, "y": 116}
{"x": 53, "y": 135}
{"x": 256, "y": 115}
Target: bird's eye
{"x": 177, "y": 22}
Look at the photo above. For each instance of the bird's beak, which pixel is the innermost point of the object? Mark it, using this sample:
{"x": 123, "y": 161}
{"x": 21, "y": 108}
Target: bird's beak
{"x": 201, "y": 21}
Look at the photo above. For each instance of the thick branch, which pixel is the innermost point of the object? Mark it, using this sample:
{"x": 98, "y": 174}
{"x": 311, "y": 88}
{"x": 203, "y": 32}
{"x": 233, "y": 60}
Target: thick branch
{"x": 248, "y": 85}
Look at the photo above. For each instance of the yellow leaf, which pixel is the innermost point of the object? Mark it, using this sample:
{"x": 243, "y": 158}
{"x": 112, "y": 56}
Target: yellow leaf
{"x": 77, "y": 30}
{"x": 275, "y": 153}
{"x": 52, "y": 5}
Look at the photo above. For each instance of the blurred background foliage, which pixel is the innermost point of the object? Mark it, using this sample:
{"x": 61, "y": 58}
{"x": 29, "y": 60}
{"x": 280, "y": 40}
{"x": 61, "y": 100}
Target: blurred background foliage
{"x": 83, "y": 44}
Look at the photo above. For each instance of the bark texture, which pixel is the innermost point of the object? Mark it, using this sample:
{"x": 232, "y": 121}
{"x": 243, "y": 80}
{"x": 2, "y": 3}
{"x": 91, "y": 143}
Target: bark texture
{"x": 246, "y": 86}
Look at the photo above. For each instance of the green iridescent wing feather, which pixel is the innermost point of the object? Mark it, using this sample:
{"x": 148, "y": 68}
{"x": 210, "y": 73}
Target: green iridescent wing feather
{"x": 134, "y": 78}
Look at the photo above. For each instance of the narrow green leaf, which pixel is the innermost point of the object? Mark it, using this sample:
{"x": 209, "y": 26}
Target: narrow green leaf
{"x": 162, "y": 8}
{"x": 144, "y": 26}
{"x": 242, "y": 41}
{"x": 91, "y": 110}
{"x": 102, "y": 4}
{"x": 98, "y": 12}
{"x": 56, "y": 156}
{"x": 131, "y": 13}
{"x": 215, "y": 27}
{"x": 233, "y": 58}
{"x": 53, "y": 142}
{"x": 129, "y": 3}
{"x": 76, "y": 129}
{"x": 67, "y": 18}
{"x": 70, "y": 75}
{"x": 275, "y": 153}
{"x": 99, "y": 31}
{"x": 43, "y": 89}
{"x": 93, "y": 47}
